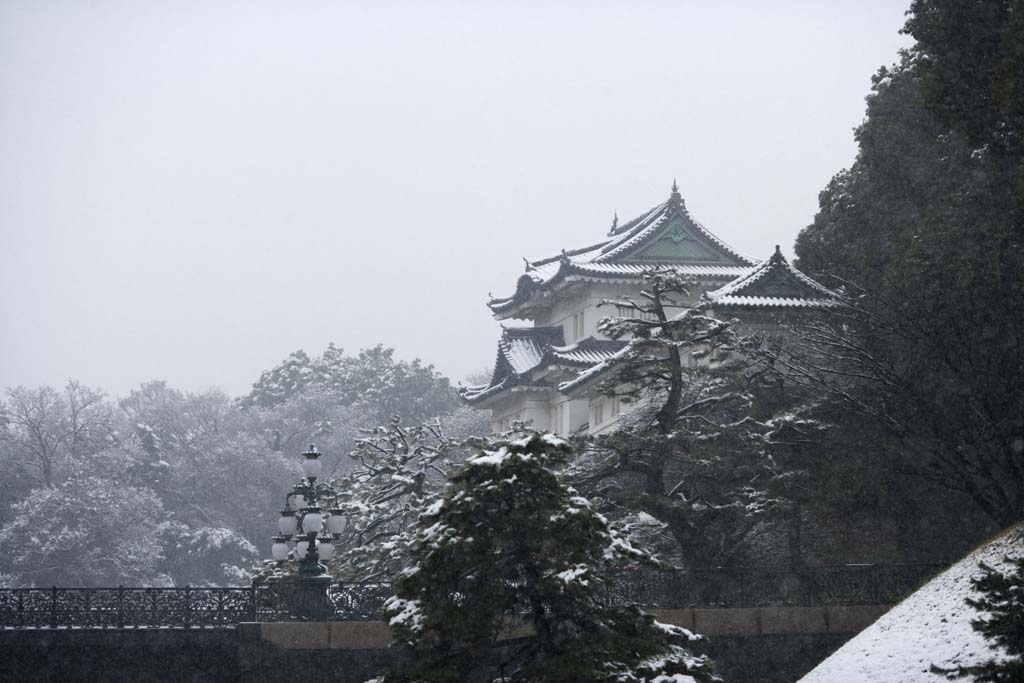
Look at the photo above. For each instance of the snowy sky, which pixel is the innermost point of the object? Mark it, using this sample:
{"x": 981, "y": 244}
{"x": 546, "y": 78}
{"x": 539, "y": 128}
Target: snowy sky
{"x": 191, "y": 190}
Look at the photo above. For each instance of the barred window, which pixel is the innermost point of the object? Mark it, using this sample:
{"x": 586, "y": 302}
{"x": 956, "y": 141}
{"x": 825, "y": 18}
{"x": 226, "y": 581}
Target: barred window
{"x": 578, "y": 326}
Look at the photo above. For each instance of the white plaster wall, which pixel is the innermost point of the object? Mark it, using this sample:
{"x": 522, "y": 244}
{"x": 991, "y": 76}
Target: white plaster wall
{"x": 529, "y": 407}
{"x": 540, "y": 411}
{"x": 611, "y": 408}
{"x": 560, "y": 314}
{"x": 585, "y": 296}
{"x": 536, "y": 408}
{"x": 579, "y": 414}
{"x": 570, "y": 418}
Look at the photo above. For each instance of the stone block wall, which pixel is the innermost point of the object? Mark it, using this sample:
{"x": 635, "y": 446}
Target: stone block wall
{"x": 118, "y": 656}
{"x": 750, "y": 645}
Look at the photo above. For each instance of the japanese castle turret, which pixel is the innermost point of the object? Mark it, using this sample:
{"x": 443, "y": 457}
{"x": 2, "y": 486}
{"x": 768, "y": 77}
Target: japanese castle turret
{"x": 538, "y": 367}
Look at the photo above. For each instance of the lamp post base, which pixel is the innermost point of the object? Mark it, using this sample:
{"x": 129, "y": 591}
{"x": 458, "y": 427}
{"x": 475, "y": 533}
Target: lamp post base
{"x": 308, "y": 597}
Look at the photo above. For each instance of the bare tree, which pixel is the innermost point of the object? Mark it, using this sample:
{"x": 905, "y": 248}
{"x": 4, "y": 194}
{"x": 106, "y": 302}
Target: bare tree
{"x": 949, "y": 414}
{"x": 45, "y": 428}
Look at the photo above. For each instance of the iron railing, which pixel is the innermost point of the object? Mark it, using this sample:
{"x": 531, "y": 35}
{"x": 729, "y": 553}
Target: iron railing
{"x": 349, "y": 601}
{"x": 125, "y": 607}
{"x": 188, "y": 607}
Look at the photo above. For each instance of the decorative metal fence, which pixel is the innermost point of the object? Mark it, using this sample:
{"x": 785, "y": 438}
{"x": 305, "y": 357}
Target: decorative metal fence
{"x": 125, "y": 607}
{"x": 344, "y": 601}
{"x": 98, "y": 608}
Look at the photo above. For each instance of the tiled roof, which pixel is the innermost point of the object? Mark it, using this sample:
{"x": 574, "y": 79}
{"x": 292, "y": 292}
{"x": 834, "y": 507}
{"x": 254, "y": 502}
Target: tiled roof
{"x": 586, "y": 352}
{"x": 641, "y": 230}
{"x": 622, "y": 256}
{"x": 773, "y": 284}
{"x": 522, "y": 350}
{"x": 636, "y": 269}
{"x": 599, "y": 368}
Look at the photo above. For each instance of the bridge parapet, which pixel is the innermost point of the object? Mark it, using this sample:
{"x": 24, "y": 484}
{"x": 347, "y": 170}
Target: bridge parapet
{"x": 226, "y": 607}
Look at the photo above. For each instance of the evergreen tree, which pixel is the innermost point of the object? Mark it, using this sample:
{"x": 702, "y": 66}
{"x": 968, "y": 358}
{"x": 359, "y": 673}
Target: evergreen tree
{"x": 1002, "y": 600}
{"x": 506, "y": 584}
{"x": 973, "y": 73}
{"x": 926, "y": 231}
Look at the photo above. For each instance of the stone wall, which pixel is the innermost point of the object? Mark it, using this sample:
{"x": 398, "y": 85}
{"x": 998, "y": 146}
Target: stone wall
{"x": 750, "y": 645}
{"x": 117, "y": 656}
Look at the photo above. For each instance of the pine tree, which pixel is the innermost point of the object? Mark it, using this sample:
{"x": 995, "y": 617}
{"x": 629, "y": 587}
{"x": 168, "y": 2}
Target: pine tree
{"x": 1003, "y": 601}
{"x": 507, "y": 580}
{"x": 699, "y": 450}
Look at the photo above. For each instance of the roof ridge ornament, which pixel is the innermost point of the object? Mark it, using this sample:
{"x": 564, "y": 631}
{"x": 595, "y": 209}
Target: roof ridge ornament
{"x": 529, "y": 266}
{"x": 777, "y": 257}
{"x": 676, "y": 199}
{"x": 615, "y": 223}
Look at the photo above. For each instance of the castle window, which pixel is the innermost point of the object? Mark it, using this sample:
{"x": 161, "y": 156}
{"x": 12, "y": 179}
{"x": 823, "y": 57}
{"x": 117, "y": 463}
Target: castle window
{"x": 625, "y": 311}
{"x": 598, "y": 413}
{"x": 577, "y": 326}
{"x": 557, "y": 416}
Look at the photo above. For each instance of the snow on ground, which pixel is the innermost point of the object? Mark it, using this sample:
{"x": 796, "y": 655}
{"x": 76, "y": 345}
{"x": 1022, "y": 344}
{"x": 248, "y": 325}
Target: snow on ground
{"x": 932, "y": 626}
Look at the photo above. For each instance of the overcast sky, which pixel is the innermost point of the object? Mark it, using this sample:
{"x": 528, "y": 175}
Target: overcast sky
{"x": 190, "y": 191}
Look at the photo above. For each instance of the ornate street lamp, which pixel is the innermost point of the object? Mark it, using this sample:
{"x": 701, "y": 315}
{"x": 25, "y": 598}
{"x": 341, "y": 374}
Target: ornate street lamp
{"x": 307, "y": 537}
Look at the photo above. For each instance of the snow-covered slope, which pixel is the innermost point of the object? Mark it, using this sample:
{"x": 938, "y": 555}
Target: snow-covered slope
{"x": 932, "y": 626}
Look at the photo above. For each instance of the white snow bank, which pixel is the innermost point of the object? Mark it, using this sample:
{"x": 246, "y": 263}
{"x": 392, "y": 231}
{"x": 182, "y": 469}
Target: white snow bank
{"x": 932, "y": 626}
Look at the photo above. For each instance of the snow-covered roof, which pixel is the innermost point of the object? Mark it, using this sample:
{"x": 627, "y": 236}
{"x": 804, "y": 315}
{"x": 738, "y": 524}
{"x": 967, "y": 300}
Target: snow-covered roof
{"x": 521, "y": 351}
{"x": 665, "y": 236}
{"x": 774, "y": 283}
{"x": 626, "y": 239}
{"x": 586, "y": 352}
{"x": 597, "y": 369}
{"x": 931, "y": 627}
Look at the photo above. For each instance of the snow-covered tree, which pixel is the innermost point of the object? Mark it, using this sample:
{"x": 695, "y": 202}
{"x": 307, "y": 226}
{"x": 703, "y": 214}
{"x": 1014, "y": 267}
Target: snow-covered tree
{"x": 45, "y": 428}
{"x": 1002, "y": 623}
{"x": 506, "y": 584}
{"x": 206, "y": 556}
{"x": 372, "y": 379}
{"x": 213, "y": 467}
{"x": 398, "y": 470}
{"x": 87, "y": 531}
{"x": 697, "y": 453}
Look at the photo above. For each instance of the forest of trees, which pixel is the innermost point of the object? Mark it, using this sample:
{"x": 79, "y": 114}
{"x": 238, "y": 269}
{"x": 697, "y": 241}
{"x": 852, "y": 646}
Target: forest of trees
{"x": 166, "y": 487}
